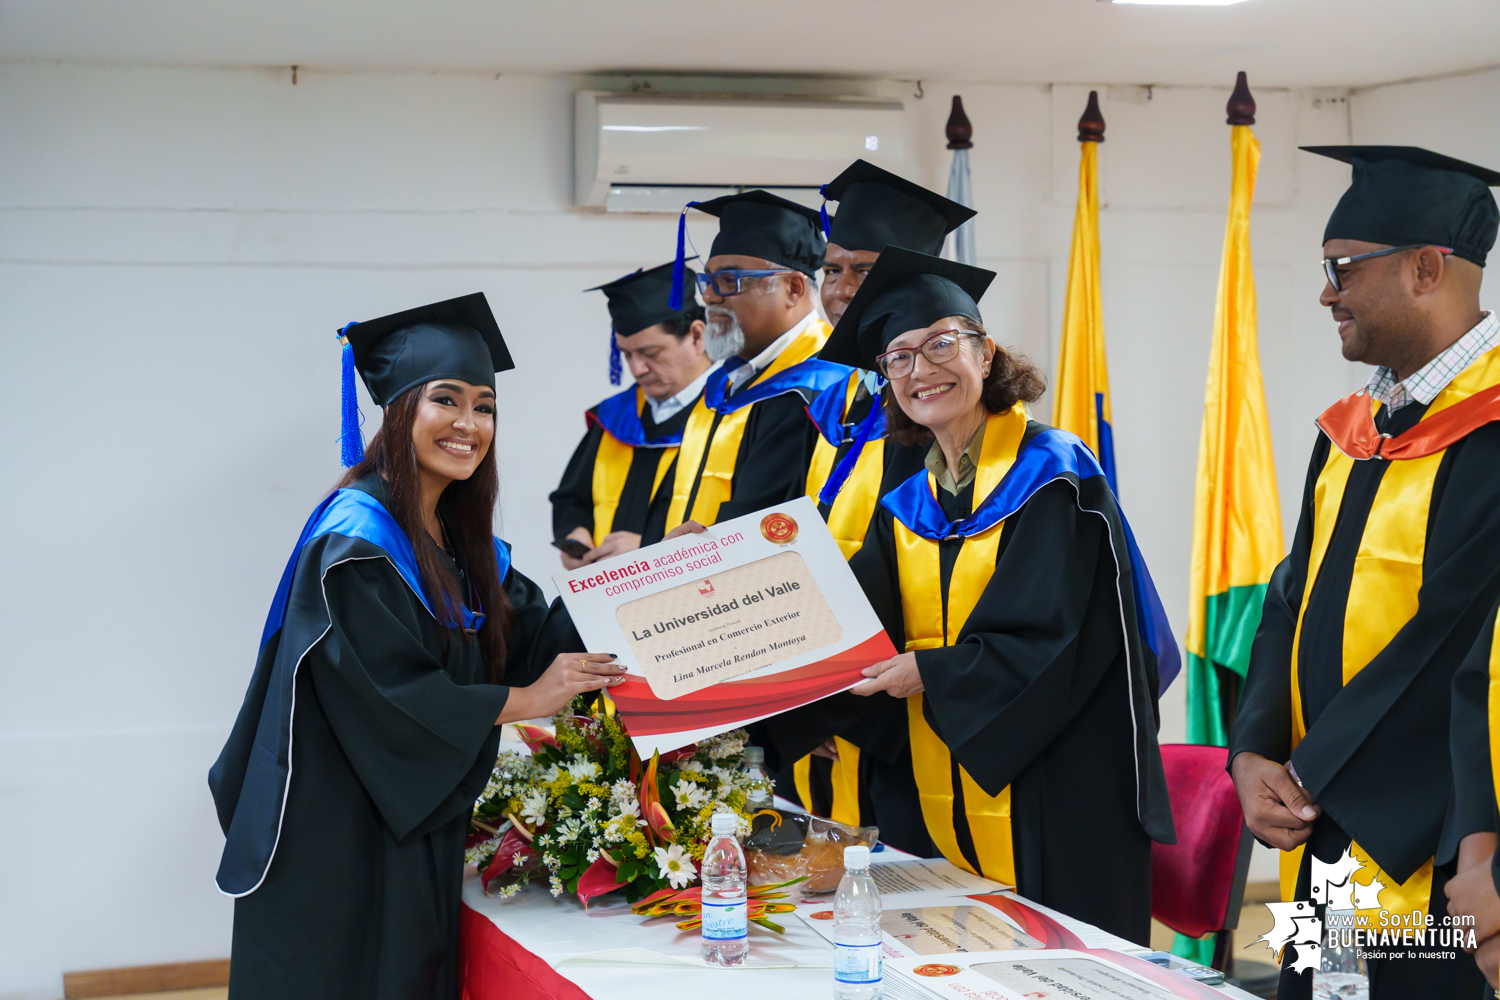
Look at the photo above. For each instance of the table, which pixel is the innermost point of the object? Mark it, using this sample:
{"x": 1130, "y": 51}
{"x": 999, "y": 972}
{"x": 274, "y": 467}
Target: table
{"x": 535, "y": 947}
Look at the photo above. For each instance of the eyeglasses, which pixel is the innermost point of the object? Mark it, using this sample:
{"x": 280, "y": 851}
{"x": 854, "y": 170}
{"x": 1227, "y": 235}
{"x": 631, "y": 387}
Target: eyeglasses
{"x": 1331, "y": 265}
{"x": 939, "y": 348}
{"x": 733, "y": 281}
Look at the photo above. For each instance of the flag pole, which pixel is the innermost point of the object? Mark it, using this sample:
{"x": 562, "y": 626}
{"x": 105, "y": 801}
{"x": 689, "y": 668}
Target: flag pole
{"x": 1237, "y": 539}
{"x": 1080, "y": 400}
{"x": 960, "y": 133}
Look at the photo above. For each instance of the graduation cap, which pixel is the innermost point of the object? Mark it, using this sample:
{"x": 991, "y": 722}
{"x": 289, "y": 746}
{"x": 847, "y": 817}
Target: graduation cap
{"x": 457, "y": 338}
{"x": 639, "y": 300}
{"x": 1403, "y": 195}
{"x": 878, "y": 209}
{"x": 757, "y": 224}
{"x": 905, "y": 290}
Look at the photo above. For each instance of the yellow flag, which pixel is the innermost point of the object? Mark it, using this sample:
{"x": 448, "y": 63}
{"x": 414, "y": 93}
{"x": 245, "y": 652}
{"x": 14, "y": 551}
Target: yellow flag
{"x": 1237, "y": 517}
{"x": 1080, "y": 402}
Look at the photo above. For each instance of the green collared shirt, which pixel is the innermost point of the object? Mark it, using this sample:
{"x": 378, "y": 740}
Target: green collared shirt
{"x": 968, "y": 463}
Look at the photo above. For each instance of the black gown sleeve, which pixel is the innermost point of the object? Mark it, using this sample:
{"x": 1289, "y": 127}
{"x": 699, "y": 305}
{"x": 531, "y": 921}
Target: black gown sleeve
{"x": 1025, "y": 662}
{"x": 573, "y": 500}
{"x": 1469, "y": 738}
{"x": 1263, "y": 720}
{"x": 411, "y": 733}
{"x": 538, "y": 631}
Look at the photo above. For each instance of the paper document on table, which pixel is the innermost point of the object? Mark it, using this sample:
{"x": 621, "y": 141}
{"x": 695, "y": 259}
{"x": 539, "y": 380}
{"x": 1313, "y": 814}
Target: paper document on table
{"x": 1061, "y": 974}
{"x": 949, "y": 926}
{"x": 900, "y": 879}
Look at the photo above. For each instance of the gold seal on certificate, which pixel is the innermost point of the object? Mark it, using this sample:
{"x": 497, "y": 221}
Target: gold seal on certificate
{"x": 697, "y": 634}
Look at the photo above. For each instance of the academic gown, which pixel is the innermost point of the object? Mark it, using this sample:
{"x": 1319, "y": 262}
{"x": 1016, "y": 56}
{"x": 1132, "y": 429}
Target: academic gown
{"x": 1474, "y": 738}
{"x": 642, "y": 503}
{"x": 1041, "y": 695}
{"x": 847, "y": 790}
{"x": 1351, "y": 680}
{"x": 352, "y": 889}
{"x": 742, "y": 451}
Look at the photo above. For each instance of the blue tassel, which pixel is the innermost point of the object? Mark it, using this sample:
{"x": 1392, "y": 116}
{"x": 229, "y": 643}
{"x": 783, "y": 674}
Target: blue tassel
{"x": 823, "y": 212}
{"x": 351, "y": 442}
{"x": 830, "y": 490}
{"x": 616, "y": 363}
{"x": 679, "y": 266}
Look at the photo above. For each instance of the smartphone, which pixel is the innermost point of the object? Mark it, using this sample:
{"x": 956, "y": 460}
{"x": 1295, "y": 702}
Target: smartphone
{"x": 571, "y": 546}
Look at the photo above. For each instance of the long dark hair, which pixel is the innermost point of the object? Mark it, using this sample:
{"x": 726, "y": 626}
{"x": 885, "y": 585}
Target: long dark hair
{"x": 467, "y": 508}
{"x": 1011, "y": 379}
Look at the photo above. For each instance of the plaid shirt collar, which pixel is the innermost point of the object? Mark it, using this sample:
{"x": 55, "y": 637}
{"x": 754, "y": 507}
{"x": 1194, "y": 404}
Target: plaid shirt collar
{"x": 1433, "y": 378}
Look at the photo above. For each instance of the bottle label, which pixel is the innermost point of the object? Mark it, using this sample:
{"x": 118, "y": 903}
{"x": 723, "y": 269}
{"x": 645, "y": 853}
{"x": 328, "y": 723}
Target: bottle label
{"x": 725, "y": 921}
{"x": 856, "y": 963}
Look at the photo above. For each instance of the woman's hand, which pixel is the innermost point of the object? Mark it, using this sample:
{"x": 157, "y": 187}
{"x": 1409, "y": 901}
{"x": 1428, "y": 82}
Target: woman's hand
{"x": 570, "y": 675}
{"x": 897, "y": 677}
{"x": 685, "y": 528}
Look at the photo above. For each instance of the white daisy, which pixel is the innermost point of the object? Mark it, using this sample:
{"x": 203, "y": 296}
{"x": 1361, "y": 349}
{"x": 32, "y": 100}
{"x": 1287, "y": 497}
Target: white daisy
{"x": 534, "y": 808}
{"x": 675, "y": 866}
{"x": 689, "y": 795}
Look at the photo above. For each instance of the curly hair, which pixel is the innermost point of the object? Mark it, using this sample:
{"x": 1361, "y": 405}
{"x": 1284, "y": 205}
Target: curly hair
{"x": 1012, "y": 379}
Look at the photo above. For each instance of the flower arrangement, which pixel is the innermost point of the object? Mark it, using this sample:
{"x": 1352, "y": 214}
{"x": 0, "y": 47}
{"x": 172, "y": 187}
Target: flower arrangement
{"x": 762, "y": 901}
{"x": 584, "y": 812}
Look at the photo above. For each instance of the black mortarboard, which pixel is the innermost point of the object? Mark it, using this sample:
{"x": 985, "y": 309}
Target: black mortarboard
{"x": 905, "y": 290}
{"x": 1405, "y": 195}
{"x": 639, "y": 300}
{"x": 878, "y": 209}
{"x": 457, "y": 338}
{"x": 758, "y": 224}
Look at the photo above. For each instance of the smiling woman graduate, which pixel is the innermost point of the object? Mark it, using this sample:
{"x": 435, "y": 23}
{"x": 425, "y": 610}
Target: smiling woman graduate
{"x": 1023, "y": 709}
{"x": 398, "y": 641}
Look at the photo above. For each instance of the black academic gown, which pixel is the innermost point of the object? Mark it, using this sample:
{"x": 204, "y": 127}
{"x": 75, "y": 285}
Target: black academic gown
{"x": 394, "y": 737}
{"x": 887, "y": 796}
{"x": 768, "y": 465}
{"x": 1376, "y": 756}
{"x": 1035, "y": 694}
{"x": 639, "y": 511}
{"x": 1476, "y": 808}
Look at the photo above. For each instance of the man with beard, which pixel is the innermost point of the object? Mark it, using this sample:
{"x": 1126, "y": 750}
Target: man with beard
{"x": 1341, "y": 746}
{"x": 742, "y": 447}
{"x": 612, "y": 497}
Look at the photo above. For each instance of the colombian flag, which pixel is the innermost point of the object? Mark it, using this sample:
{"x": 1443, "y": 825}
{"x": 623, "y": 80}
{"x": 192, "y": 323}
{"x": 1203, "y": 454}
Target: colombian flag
{"x": 1081, "y": 394}
{"x": 1237, "y": 517}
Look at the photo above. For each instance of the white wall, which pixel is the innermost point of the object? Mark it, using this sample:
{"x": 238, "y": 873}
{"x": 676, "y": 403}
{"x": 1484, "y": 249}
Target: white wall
{"x": 177, "y": 248}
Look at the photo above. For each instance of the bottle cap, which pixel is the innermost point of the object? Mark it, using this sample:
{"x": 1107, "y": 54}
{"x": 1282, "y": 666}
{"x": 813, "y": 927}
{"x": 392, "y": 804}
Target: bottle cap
{"x": 856, "y": 858}
{"x": 722, "y": 823}
{"x": 754, "y": 755}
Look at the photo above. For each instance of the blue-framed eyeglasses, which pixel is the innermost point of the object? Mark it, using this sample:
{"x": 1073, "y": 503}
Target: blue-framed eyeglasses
{"x": 1331, "y": 265}
{"x": 733, "y": 281}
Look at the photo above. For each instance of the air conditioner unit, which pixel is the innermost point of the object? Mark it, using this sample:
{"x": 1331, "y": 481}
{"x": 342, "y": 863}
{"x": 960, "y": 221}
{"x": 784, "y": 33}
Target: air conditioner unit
{"x": 655, "y": 152}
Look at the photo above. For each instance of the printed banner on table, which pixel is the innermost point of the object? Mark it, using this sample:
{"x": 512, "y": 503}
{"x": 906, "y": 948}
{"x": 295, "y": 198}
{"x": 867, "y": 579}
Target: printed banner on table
{"x": 1063, "y": 974}
{"x": 758, "y": 615}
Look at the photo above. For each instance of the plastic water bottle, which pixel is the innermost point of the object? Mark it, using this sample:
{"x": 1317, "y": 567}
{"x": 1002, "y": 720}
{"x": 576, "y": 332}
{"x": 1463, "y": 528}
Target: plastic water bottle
{"x": 726, "y": 923}
{"x": 856, "y": 930}
{"x": 758, "y": 795}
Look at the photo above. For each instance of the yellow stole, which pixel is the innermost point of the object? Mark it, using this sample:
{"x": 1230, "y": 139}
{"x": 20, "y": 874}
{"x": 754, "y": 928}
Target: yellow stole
{"x": 917, "y": 565}
{"x": 1383, "y": 593}
{"x": 844, "y": 778}
{"x": 852, "y": 509}
{"x": 716, "y": 448}
{"x": 612, "y": 467}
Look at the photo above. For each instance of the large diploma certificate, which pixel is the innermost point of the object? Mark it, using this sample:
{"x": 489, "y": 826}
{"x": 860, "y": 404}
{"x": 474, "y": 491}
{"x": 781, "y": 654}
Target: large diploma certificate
{"x": 756, "y": 616}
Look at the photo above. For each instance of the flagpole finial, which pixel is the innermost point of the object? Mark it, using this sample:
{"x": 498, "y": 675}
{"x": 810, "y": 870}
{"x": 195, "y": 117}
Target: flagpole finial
{"x": 959, "y": 130}
{"x": 1091, "y": 125}
{"x": 1241, "y": 106}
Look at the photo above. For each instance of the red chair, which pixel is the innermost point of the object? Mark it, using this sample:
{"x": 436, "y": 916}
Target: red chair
{"x": 1198, "y": 883}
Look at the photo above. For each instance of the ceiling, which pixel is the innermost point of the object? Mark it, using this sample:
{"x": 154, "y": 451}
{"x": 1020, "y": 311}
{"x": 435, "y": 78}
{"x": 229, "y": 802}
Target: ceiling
{"x": 1332, "y": 43}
